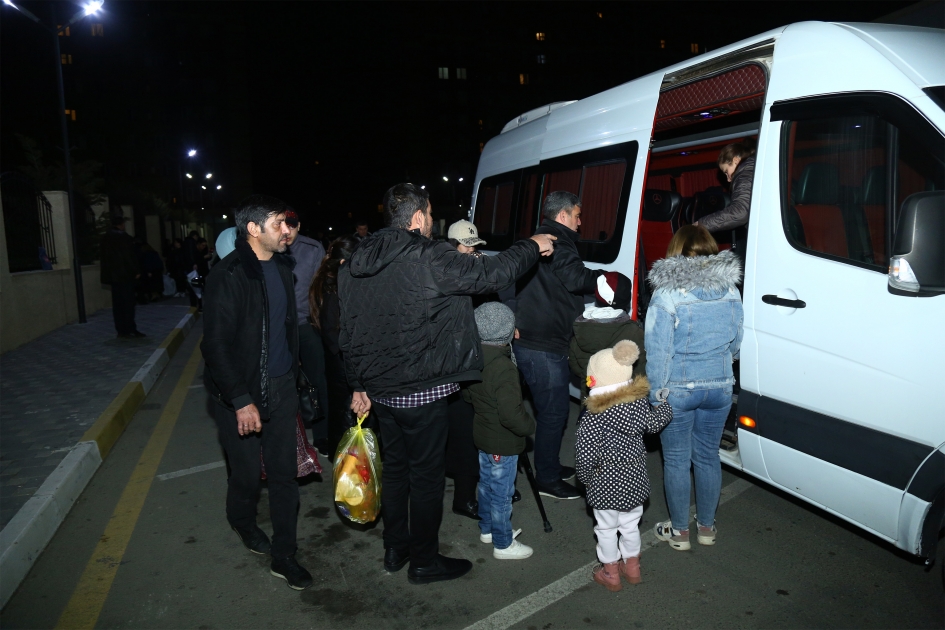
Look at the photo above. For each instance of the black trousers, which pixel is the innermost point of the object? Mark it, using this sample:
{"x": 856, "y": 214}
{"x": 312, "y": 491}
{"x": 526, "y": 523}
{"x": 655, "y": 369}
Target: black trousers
{"x": 123, "y": 307}
{"x": 312, "y": 357}
{"x": 414, "y": 477}
{"x": 462, "y": 456}
{"x": 277, "y": 443}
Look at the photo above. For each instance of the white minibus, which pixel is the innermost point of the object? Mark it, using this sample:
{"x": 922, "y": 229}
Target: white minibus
{"x": 844, "y": 289}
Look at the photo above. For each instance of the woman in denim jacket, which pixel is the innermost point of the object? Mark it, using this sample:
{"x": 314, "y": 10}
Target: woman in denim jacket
{"x": 693, "y": 334}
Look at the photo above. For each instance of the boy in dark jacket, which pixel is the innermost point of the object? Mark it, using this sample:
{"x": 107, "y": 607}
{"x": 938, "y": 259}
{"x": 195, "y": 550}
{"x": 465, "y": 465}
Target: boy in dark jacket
{"x": 610, "y": 458}
{"x": 499, "y": 430}
{"x": 603, "y": 324}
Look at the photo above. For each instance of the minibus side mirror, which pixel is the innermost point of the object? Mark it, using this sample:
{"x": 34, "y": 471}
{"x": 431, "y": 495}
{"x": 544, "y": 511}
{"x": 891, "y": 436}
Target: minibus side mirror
{"x": 917, "y": 264}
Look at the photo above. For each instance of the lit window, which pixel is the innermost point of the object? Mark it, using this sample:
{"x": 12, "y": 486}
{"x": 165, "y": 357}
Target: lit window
{"x": 523, "y": 79}
{"x": 460, "y": 73}
{"x": 444, "y": 73}
{"x": 540, "y": 59}
{"x": 694, "y": 48}
{"x": 70, "y": 113}
{"x": 66, "y": 60}
{"x": 98, "y": 30}
{"x": 64, "y": 32}
{"x": 599, "y": 14}
{"x": 662, "y": 43}
{"x": 481, "y": 145}
{"x": 540, "y": 36}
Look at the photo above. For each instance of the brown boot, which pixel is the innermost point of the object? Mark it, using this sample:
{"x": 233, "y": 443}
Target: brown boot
{"x": 630, "y": 570}
{"x": 608, "y": 575}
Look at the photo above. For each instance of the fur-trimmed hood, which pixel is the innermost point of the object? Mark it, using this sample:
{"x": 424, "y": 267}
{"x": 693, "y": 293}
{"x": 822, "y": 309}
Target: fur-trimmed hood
{"x": 716, "y": 273}
{"x": 636, "y": 389}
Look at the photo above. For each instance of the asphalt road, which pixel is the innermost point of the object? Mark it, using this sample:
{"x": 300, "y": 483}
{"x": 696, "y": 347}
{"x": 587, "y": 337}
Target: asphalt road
{"x": 144, "y": 551}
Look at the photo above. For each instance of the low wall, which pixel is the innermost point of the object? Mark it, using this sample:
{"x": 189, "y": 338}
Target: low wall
{"x": 33, "y": 303}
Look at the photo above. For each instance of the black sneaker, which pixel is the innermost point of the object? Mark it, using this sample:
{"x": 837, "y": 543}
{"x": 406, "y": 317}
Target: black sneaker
{"x": 558, "y": 490}
{"x": 395, "y": 560}
{"x": 138, "y": 334}
{"x": 443, "y": 568}
{"x": 255, "y": 540}
{"x": 567, "y": 473}
{"x": 516, "y": 496}
{"x": 292, "y": 572}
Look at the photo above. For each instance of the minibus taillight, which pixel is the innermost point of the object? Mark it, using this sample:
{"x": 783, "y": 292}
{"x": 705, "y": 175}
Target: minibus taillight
{"x": 745, "y": 421}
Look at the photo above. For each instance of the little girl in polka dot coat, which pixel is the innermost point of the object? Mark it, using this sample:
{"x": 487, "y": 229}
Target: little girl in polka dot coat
{"x": 610, "y": 458}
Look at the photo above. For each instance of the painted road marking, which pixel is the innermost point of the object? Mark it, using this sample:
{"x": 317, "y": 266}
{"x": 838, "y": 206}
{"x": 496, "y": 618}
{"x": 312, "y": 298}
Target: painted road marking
{"x": 198, "y": 386}
{"x": 190, "y": 471}
{"x": 528, "y": 606}
{"x": 87, "y": 600}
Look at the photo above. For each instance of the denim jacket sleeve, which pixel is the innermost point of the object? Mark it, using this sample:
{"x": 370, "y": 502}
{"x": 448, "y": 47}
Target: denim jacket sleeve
{"x": 736, "y": 345}
{"x": 658, "y": 340}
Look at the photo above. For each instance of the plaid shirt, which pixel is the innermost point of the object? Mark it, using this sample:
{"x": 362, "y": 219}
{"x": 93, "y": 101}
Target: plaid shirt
{"x": 420, "y": 398}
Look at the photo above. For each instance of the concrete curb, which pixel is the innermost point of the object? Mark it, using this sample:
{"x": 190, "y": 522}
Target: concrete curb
{"x": 26, "y": 535}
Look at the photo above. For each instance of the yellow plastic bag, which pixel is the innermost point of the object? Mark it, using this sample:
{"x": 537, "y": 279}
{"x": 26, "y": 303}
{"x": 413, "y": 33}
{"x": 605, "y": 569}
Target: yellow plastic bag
{"x": 357, "y": 475}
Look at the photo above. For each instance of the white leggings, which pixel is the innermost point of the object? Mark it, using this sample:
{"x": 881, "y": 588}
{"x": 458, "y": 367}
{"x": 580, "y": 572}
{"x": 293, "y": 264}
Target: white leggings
{"x": 609, "y": 522}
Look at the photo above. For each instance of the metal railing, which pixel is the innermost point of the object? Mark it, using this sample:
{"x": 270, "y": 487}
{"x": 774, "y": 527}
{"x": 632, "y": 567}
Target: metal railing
{"x": 27, "y": 220}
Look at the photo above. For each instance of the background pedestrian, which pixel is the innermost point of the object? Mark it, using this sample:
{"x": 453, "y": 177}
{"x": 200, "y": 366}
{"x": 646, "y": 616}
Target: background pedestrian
{"x": 120, "y": 270}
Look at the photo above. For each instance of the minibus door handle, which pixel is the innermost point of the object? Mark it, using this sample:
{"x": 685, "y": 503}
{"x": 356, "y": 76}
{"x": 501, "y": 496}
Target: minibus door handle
{"x": 780, "y": 301}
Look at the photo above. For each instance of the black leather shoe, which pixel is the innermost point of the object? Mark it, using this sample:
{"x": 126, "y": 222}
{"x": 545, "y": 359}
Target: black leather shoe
{"x": 567, "y": 473}
{"x": 395, "y": 560}
{"x": 255, "y": 540}
{"x": 469, "y": 509}
{"x": 516, "y": 496}
{"x": 138, "y": 334}
{"x": 292, "y": 572}
{"x": 443, "y": 568}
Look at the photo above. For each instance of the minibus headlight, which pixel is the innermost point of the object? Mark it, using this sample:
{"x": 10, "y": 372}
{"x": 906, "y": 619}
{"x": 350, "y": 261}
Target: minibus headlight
{"x": 901, "y": 275}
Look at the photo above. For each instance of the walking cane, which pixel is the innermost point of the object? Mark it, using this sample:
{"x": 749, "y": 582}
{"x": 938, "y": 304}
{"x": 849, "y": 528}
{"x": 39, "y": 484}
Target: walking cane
{"x": 527, "y": 465}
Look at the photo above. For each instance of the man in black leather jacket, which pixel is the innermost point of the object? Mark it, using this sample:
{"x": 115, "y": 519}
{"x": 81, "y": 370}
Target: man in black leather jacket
{"x": 409, "y": 337}
{"x": 547, "y": 305}
{"x": 251, "y": 350}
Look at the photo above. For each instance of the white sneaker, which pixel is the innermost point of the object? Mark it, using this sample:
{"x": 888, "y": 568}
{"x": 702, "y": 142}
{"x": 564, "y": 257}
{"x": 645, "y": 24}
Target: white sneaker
{"x": 515, "y": 551}
{"x": 487, "y": 538}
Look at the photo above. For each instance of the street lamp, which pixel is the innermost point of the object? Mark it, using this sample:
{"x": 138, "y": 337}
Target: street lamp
{"x": 219, "y": 187}
{"x": 192, "y": 153}
{"x": 189, "y": 176}
{"x": 209, "y": 175}
{"x": 89, "y": 9}
{"x": 446, "y": 179}
{"x": 204, "y": 187}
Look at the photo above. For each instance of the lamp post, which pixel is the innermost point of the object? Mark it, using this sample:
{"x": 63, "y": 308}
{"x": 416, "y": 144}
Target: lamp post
{"x": 89, "y": 9}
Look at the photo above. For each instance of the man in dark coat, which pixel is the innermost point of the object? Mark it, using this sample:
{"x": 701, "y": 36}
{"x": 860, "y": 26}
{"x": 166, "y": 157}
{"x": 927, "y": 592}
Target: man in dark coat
{"x": 409, "y": 338}
{"x": 251, "y": 350}
{"x": 547, "y": 305}
{"x": 120, "y": 269}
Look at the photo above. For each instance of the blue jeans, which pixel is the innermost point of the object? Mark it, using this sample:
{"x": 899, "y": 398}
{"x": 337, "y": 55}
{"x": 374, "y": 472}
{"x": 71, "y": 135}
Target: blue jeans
{"x": 692, "y": 440}
{"x": 496, "y": 486}
{"x": 548, "y": 376}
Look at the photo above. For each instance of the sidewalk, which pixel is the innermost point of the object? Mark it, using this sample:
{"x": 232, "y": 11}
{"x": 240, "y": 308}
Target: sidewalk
{"x": 53, "y": 388}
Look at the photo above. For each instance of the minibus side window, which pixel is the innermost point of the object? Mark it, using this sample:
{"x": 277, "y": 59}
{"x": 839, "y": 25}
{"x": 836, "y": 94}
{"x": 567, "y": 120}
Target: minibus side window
{"x": 600, "y": 196}
{"x": 485, "y": 205}
{"x": 841, "y": 189}
{"x": 503, "y": 208}
{"x": 528, "y": 209}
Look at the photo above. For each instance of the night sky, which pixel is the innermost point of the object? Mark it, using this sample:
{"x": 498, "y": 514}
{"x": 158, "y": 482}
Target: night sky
{"x": 353, "y": 86}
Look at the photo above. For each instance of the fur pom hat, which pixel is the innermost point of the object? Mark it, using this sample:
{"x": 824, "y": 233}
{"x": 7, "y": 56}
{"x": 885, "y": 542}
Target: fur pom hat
{"x": 613, "y": 365}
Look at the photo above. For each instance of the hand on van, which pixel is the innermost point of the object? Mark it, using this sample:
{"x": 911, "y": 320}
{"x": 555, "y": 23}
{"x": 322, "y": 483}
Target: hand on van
{"x": 545, "y": 243}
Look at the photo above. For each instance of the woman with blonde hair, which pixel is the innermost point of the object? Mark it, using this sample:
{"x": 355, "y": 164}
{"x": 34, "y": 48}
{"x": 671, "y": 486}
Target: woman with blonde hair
{"x": 693, "y": 335}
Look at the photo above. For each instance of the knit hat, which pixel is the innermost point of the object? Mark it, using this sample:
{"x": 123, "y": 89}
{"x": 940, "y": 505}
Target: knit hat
{"x": 496, "y": 323}
{"x": 614, "y": 289}
{"x": 613, "y": 365}
{"x": 466, "y": 233}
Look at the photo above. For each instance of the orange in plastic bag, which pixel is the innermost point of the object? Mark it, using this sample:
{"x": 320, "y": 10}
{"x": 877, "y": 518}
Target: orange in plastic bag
{"x": 357, "y": 475}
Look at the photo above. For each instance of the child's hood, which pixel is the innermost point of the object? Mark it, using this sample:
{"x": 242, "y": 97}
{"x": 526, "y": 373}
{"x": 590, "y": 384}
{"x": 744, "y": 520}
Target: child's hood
{"x": 636, "y": 389}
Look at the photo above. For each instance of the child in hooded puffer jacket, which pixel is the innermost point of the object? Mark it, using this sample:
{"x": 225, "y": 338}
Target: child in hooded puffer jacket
{"x": 610, "y": 458}
{"x": 499, "y": 429}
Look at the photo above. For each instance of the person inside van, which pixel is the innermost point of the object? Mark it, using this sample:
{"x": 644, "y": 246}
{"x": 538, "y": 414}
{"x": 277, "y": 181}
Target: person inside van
{"x": 693, "y": 334}
{"x": 737, "y": 162}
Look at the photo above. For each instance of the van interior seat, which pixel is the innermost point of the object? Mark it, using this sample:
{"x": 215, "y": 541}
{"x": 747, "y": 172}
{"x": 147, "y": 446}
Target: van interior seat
{"x": 873, "y": 202}
{"x": 658, "y": 223}
{"x": 818, "y": 205}
{"x": 707, "y": 202}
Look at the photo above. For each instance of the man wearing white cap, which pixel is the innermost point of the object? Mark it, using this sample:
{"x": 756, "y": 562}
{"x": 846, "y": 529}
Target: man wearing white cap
{"x": 464, "y": 236}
